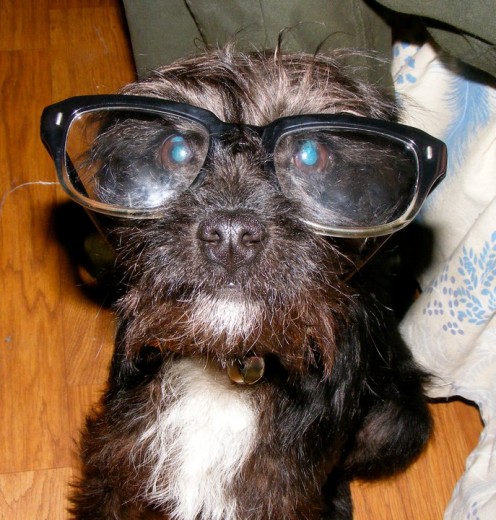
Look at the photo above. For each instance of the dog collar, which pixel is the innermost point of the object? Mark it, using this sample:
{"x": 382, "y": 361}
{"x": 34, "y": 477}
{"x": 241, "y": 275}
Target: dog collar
{"x": 247, "y": 370}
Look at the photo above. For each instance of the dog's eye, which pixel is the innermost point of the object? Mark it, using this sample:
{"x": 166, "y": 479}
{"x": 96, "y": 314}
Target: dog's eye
{"x": 311, "y": 156}
{"x": 175, "y": 152}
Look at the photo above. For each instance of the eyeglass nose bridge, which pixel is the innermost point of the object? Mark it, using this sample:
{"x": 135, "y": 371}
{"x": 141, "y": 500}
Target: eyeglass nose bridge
{"x": 236, "y": 139}
{"x": 237, "y": 136}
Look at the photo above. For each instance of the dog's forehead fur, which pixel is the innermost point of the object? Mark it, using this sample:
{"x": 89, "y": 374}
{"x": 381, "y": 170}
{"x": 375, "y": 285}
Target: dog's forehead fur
{"x": 258, "y": 88}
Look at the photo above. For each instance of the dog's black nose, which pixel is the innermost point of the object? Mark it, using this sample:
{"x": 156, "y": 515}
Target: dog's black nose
{"x": 231, "y": 240}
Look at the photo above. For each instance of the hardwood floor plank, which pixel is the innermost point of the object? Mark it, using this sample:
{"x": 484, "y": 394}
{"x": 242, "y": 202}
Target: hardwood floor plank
{"x": 25, "y": 87}
{"x": 34, "y": 495}
{"x": 86, "y": 45}
{"x": 82, "y": 399}
{"x": 33, "y": 429}
{"x": 21, "y": 26}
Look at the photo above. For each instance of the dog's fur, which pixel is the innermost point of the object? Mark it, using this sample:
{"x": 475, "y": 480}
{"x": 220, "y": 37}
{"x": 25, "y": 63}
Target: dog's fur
{"x": 341, "y": 397}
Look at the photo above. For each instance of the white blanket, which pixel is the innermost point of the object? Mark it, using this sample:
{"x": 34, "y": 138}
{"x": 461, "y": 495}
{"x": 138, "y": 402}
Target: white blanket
{"x": 452, "y": 326}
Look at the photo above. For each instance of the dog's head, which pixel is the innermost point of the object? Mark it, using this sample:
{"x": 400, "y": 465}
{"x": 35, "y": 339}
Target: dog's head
{"x": 234, "y": 259}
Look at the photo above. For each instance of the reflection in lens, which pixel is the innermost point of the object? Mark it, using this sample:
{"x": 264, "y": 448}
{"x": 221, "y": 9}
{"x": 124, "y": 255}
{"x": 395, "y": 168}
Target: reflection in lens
{"x": 360, "y": 180}
{"x": 133, "y": 159}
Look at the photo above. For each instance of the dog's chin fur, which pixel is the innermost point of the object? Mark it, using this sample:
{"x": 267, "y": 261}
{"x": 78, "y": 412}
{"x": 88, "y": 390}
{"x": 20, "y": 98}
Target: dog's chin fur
{"x": 227, "y": 315}
{"x": 340, "y": 396}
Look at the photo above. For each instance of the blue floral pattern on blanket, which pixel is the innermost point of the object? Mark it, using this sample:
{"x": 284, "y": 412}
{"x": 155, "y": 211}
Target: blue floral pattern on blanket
{"x": 406, "y": 54}
{"x": 466, "y": 289}
{"x": 469, "y": 103}
{"x": 473, "y": 514}
{"x": 451, "y": 328}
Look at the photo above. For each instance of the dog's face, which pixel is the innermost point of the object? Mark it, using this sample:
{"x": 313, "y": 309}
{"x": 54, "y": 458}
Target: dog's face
{"x": 230, "y": 268}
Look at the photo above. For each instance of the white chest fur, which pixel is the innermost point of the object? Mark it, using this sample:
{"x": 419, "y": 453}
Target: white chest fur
{"x": 197, "y": 443}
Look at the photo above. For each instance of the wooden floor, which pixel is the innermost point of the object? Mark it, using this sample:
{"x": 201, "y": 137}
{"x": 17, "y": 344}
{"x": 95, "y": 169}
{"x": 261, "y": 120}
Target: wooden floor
{"x": 55, "y": 340}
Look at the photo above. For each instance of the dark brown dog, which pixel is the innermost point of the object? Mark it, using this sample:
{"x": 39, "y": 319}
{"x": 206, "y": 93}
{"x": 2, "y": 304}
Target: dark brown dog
{"x": 256, "y": 371}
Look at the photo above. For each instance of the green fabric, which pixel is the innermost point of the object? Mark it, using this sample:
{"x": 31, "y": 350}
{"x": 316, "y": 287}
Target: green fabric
{"x": 160, "y": 31}
{"x": 475, "y": 17}
{"x": 461, "y": 28}
{"x": 164, "y": 30}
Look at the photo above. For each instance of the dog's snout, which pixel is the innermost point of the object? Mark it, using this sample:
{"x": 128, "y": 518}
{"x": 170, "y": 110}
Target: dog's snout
{"x": 231, "y": 240}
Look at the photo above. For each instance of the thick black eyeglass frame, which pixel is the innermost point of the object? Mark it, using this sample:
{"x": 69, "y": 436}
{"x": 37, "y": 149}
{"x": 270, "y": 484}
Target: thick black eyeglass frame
{"x": 430, "y": 152}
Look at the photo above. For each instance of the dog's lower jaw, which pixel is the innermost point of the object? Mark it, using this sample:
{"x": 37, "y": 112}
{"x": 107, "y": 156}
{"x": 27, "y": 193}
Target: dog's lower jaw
{"x": 202, "y": 434}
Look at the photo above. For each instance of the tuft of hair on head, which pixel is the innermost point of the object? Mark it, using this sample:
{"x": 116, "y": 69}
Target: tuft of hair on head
{"x": 263, "y": 85}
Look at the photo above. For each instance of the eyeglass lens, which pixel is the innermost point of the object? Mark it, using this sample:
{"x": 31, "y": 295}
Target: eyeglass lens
{"x": 347, "y": 178}
{"x": 136, "y": 160}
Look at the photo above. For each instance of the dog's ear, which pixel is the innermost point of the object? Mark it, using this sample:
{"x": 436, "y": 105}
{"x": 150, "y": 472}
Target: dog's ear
{"x": 130, "y": 369}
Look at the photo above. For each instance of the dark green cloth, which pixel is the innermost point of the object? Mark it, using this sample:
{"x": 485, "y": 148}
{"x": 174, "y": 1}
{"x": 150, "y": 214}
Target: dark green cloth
{"x": 164, "y": 30}
{"x": 465, "y": 29}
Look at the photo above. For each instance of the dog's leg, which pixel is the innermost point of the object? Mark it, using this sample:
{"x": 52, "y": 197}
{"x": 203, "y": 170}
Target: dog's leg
{"x": 107, "y": 488}
{"x": 338, "y": 498}
{"x": 95, "y": 496}
{"x": 103, "y": 491}
{"x": 95, "y": 499}
{"x": 396, "y": 428}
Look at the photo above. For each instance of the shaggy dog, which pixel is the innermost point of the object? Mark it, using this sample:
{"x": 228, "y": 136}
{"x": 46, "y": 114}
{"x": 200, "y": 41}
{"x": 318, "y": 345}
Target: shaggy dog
{"x": 256, "y": 369}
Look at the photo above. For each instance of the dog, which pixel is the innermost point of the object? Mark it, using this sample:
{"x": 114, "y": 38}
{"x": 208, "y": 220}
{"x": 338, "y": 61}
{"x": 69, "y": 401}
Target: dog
{"x": 257, "y": 370}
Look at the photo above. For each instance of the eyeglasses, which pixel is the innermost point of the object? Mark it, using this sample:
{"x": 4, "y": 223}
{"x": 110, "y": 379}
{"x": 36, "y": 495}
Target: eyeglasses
{"x": 130, "y": 156}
